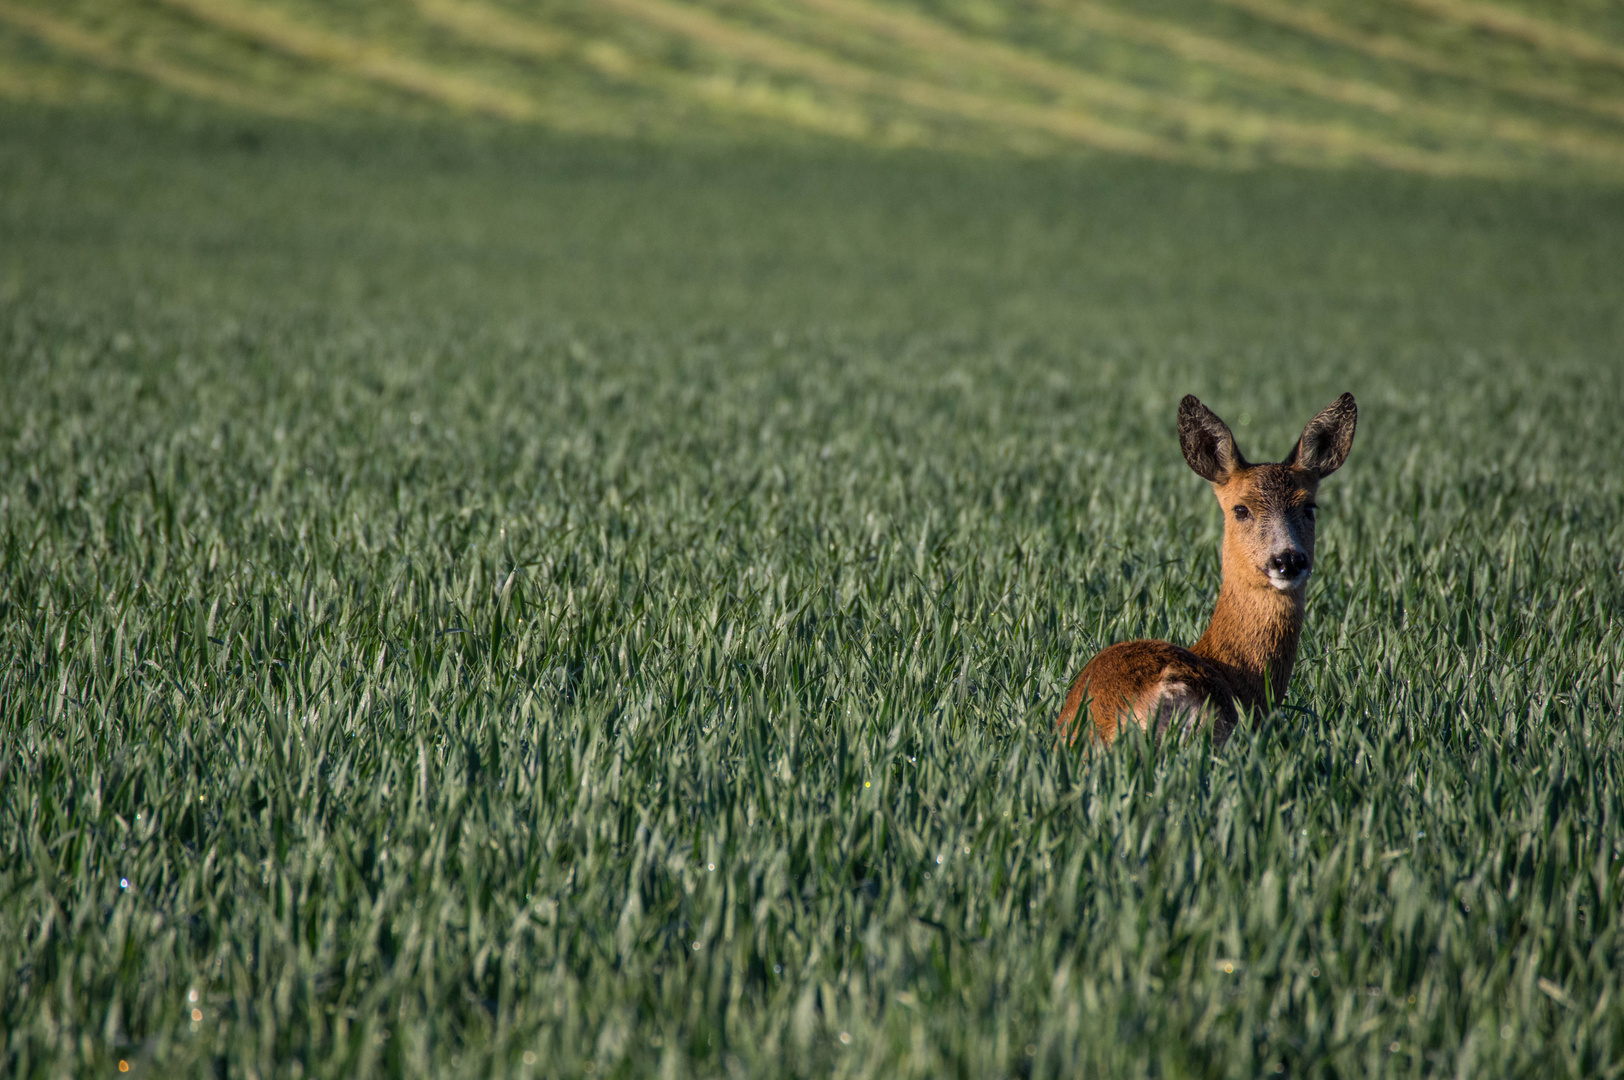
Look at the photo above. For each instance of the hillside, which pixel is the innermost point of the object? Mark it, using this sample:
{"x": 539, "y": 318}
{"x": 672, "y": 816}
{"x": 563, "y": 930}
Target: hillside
{"x": 1438, "y": 87}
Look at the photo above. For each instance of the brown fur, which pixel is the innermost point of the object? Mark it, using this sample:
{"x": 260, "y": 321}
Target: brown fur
{"x": 1245, "y": 658}
{"x": 1131, "y": 679}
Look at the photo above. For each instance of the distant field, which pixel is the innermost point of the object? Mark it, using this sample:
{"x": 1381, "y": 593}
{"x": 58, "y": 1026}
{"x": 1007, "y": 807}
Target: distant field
{"x": 1485, "y": 88}
{"x": 504, "y": 604}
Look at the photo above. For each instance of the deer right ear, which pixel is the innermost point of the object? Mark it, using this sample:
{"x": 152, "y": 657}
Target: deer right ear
{"x": 1208, "y": 445}
{"x": 1327, "y": 439}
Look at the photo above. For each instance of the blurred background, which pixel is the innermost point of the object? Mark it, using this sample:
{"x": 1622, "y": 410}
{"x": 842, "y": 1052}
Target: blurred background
{"x": 1438, "y": 87}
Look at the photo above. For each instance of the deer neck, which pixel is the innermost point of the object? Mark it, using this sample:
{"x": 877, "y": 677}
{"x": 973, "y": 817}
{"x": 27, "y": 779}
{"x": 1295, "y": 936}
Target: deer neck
{"x": 1252, "y": 640}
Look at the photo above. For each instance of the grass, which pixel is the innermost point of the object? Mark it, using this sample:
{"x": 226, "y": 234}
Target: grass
{"x": 478, "y": 605}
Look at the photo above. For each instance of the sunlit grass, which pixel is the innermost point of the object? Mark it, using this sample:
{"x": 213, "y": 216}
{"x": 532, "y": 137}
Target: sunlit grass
{"x": 1433, "y": 87}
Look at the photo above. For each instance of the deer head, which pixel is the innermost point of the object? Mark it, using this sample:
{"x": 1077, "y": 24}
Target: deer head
{"x": 1268, "y": 508}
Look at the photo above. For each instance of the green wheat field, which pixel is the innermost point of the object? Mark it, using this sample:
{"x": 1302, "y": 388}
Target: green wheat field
{"x": 545, "y": 540}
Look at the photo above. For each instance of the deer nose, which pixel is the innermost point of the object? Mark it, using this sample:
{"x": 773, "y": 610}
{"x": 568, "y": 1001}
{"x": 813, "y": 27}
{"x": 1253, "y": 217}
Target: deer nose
{"x": 1289, "y": 563}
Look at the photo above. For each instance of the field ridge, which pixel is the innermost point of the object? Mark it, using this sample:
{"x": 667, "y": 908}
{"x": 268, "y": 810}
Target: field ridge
{"x": 1239, "y": 83}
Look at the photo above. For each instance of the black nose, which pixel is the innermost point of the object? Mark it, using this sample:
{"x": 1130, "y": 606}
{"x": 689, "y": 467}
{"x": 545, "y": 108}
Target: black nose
{"x": 1289, "y": 563}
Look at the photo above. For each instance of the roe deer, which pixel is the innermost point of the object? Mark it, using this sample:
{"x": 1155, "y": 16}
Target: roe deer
{"x": 1245, "y": 657}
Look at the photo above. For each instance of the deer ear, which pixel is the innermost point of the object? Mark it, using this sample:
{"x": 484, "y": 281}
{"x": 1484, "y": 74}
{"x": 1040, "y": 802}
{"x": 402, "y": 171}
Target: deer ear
{"x": 1326, "y": 440}
{"x": 1208, "y": 445}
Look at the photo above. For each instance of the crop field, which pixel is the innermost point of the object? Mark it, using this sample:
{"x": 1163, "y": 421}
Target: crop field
{"x": 476, "y": 602}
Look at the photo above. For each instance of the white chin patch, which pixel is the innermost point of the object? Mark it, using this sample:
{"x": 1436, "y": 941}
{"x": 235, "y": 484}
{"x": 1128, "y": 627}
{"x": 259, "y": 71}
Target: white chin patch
{"x": 1285, "y": 583}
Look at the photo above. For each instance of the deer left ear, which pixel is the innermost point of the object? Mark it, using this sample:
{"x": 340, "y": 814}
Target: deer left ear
{"x": 1326, "y": 440}
{"x": 1209, "y": 448}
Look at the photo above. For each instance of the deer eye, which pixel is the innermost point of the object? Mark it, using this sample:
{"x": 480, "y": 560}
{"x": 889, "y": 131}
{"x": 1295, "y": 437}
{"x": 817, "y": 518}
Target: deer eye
{"x": 1242, "y": 514}
{"x": 1309, "y": 509}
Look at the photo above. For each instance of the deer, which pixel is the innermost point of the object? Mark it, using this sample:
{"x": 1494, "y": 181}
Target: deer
{"x": 1244, "y": 660}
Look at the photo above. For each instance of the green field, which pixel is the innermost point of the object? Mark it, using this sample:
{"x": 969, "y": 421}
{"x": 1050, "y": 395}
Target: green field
{"x": 484, "y": 602}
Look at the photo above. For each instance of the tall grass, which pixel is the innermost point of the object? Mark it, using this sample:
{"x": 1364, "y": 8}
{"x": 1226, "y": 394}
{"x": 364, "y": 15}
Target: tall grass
{"x": 471, "y": 609}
